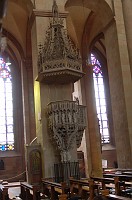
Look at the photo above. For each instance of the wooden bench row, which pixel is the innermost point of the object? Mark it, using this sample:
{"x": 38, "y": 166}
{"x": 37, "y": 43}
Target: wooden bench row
{"x": 29, "y": 192}
{"x": 121, "y": 177}
{"x": 49, "y": 189}
{"x": 97, "y": 185}
{"x": 116, "y": 197}
{"x": 82, "y": 188}
{"x": 4, "y": 188}
{"x": 57, "y": 190}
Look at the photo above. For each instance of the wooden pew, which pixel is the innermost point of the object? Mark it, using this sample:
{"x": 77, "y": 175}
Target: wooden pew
{"x": 109, "y": 183}
{"x": 56, "y": 190}
{"x": 83, "y": 188}
{"x": 116, "y": 197}
{"x": 122, "y": 177}
{"x": 113, "y": 183}
{"x": 104, "y": 182}
{"x": 127, "y": 173}
{"x": 125, "y": 183}
{"x": 4, "y": 189}
{"x": 78, "y": 187}
{"x": 3, "y": 192}
{"x": 29, "y": 192}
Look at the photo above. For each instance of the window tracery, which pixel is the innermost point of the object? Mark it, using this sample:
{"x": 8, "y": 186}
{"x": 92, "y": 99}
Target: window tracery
{"x": 100, "y": 99}
{"x": 6, "y": 108}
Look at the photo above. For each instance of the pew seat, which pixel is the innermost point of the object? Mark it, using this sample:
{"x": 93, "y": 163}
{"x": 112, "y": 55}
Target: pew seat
{"x": 117, "y": 197}
{"x": 55, "y": 190}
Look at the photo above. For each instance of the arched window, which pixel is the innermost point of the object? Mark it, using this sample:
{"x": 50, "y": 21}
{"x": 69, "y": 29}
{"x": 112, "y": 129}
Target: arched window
{"x": 100, "y": 100}
{"x": 6, "y": 108}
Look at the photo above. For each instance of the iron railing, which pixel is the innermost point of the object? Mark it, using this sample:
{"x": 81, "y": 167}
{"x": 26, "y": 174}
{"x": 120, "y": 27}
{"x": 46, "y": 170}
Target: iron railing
{"x": 64, "y": 170}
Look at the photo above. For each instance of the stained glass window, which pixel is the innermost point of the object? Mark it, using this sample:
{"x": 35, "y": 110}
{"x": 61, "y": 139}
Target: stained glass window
{"x": 6, "y": 108}
{"x": 100, "y": 99}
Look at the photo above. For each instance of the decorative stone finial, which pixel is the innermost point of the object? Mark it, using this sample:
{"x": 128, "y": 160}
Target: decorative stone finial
{"x": 55, "y": 10}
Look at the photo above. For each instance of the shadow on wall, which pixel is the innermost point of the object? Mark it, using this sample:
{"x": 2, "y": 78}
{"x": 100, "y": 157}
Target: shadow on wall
{"x": 2, "y": 165}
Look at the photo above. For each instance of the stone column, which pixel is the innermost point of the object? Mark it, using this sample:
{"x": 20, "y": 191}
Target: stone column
{"x": 127, "y": 11}
{"x": 30, "y": 91}
{"x": 28, "y": 102}
{"x": 120, "y": 86}
{"x": 93, "y": 143}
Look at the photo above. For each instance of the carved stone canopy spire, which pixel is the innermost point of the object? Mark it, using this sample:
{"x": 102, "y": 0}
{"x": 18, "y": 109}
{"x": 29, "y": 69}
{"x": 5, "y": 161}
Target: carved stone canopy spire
{"x": 58, "y": 58}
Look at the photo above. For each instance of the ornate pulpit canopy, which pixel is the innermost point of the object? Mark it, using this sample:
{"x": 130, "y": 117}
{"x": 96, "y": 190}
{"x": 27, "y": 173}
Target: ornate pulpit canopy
{"x": 58, "y": 59}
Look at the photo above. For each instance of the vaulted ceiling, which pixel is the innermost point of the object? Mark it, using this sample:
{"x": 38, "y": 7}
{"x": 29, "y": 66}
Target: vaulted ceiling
{"x": 85, "y": 23}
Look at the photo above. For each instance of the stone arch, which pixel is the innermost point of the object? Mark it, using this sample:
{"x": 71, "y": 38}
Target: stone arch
{"x": 94, "y": 16}
{"x": 88, "y": 19}
{"x": 16, "y": 32}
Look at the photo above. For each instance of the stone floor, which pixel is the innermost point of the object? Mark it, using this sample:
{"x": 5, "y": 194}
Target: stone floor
{"x": 13, "y": 192}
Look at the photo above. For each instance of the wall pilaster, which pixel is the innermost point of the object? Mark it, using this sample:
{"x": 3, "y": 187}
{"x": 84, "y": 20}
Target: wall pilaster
{"x": 28, "y": 103}
{"x": 92, "y": 135}
{"x": 127, "y": 13}
{"x": 120, "y": 86}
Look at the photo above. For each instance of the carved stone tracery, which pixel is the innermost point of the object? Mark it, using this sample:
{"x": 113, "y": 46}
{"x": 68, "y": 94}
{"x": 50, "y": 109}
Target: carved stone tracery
{"x": 66, "y": 123}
